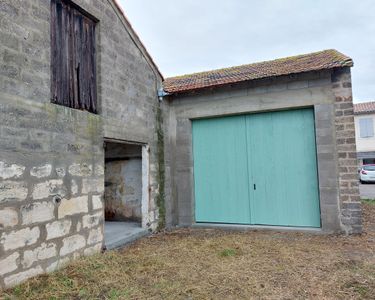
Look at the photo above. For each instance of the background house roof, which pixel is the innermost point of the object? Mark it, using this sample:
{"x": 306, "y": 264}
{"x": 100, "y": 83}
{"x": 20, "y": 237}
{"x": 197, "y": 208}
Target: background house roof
{"x": 364, "y": 108}
{"x": 323, "y": 60}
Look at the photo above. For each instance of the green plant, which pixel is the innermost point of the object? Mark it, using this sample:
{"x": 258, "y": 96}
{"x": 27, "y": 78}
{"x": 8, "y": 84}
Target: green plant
{"x": 227, "y": 252}
{"x": 160, "y": 199}
{"x": 369, "y": 201}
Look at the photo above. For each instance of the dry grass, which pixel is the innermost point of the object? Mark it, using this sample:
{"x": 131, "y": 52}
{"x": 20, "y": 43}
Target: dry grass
{"x": 212, "y": 264}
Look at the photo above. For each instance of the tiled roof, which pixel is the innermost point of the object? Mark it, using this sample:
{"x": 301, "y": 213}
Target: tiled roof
{"x": 364, "y": 108}
{"x": 323, "y": 60}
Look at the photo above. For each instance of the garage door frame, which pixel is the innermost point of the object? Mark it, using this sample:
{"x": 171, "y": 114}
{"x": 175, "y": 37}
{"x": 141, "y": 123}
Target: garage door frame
{"x": 182, "y": 162}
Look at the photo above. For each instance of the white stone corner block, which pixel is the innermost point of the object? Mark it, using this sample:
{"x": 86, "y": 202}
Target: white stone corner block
{"x": 58, "y": 229}
{"x": 12, "y": 190}
{"x": 69, "y": 207}
{"x": 81, "y": 170}
{"x": 72, "y": 244}
{"x": 8, "y": 217}
{"x": 41, "y": 171}
{"x": 97, "y": 202}
{"x": 8, "y": 171}
{"x": 43, "y": 252}
{"x": 49, "y": 188}
{"x": 95, "y": 236}
{"x": 9, "y": 263}
{"x": 20, "y": 238}
{"x": 37, "y": 212}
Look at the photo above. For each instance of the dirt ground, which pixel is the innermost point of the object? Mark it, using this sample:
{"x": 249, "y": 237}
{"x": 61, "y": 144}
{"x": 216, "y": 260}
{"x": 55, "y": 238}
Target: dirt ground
{"x": 213, "y": 264}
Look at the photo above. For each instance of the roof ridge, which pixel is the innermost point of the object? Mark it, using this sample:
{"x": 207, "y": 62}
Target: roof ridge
{"x": 315, "y": 61}
{"x": 260, "y": 62}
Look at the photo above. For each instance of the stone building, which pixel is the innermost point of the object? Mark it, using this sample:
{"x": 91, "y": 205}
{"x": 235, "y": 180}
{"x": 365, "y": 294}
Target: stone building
{"x": 88, "y": 135}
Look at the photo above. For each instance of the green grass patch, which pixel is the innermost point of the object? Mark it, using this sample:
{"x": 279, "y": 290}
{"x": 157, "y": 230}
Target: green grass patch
{"x": 227, "y": 253}
{"x": 369, "y": 201}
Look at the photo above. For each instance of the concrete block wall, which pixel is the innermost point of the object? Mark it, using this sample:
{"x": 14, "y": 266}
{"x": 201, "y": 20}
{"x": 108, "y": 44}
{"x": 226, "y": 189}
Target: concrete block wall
{"x": 52, "y": 157}
{"x": 51, "y": 193}
{"x": 330, "y": 95}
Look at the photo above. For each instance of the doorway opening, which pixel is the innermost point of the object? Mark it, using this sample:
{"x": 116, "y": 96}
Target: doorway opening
{"x": 126, "y": 192}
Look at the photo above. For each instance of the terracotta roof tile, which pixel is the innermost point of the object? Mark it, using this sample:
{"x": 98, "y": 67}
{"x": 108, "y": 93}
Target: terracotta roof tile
{"x": 364, "y": 108}
{"x": 323, "y": 60}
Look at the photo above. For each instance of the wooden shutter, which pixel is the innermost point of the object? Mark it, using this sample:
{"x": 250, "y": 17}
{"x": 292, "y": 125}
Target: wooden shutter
{"x": 73, "y": 82}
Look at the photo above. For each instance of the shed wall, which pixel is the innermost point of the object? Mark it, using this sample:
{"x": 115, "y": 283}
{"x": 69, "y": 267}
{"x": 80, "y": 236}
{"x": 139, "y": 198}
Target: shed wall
{"x": 321, "y": 90}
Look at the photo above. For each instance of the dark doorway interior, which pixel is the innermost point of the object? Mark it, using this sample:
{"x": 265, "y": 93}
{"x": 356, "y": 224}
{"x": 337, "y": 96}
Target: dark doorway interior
{"x": 123, "y": 193}
{"x": 123, "y": 182}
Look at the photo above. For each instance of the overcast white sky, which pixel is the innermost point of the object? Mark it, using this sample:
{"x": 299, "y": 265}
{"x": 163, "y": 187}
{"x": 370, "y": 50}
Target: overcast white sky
{"x": 187, "y": 36}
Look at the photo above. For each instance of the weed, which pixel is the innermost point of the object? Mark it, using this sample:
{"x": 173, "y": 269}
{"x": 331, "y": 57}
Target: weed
{"x": 227, "y": 252}
{"x": 369, "y": 201}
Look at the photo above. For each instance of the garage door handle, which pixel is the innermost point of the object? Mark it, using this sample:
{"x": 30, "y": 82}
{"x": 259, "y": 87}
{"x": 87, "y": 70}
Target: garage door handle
{"x": 255, "y": 186}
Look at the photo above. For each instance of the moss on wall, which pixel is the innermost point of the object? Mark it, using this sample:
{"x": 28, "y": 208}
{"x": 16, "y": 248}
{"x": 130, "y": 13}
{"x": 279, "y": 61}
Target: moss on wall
{"x": 160, "y": 198}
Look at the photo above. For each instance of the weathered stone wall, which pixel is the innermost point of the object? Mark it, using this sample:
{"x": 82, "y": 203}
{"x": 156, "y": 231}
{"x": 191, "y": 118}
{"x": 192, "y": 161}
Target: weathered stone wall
{"x": 51, "y": 157}
{"x": 351, "y": 213}
{"x": 51, "y": 193}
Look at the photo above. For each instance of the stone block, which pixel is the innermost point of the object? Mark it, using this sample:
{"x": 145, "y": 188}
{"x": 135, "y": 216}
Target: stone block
{"x": 90, "y": 221}
{"x": 72, "y": 244}
{"x": 58, "y": 229}
{"x": 97, "y": 202}
{"x": 92, "y": 185}
{"x": 93, "y": 250}
{"x": 22, "y": 276}
{"x": 81, "y": 170}
{"x": 37, "y": 212}
{"x": 60, "y": 172}
{"x": 62, "y": 262}
{"x": 95, "y": 236}
{"x": 69, "y": 207}
{"x": 10, "y": 171}
{"x": 12, "y": 190}
{"x": 99, "y": 170}
{"x": 49, "y": 188}
{"x": 9, "y": 263}
{"x": 41, "y": 171}
{"x": 8, "y": 217}
{"x": 43, "y": 252}
{"x": 20, "y": 238}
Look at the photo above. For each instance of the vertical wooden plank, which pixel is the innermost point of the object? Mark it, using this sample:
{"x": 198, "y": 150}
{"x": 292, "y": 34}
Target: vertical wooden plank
{"x": 53, "y": 50}
{"x": 79, "y": 55}
{"x": 76, "y": 60}
{"x": 64, "y": 59}
{"x": 71, "y": 57}
{"x": 94, "y": 77}
{"x": 73, "y": 61}
{"x": 56, "y": 44}
{"x": 220, "y": 170}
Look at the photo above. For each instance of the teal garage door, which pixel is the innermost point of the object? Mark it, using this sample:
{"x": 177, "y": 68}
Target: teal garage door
{"x": 257, "y": 169}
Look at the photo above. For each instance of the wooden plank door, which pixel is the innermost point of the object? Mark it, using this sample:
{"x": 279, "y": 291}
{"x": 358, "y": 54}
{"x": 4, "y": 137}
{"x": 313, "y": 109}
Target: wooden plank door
{"x": 282, "y": 167}
{"x": 220, "y": 170}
